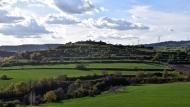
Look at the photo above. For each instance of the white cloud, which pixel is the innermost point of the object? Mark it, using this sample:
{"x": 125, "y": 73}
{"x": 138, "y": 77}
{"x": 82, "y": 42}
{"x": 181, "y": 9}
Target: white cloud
{"x": 6, "y": 3}
{"x": 29, "y": 29}
{"x": 63, "y": 19}
{"x": 145, "y": 22}
{"x": 75, "y": 6}
{"x": 117, "y": 24}
{"x": 168, "y": 25}
{"x": 5, "y": 18}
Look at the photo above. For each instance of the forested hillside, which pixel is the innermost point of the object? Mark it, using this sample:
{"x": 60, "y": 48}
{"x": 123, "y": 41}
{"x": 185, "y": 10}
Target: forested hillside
{"x": 89, "y": 51}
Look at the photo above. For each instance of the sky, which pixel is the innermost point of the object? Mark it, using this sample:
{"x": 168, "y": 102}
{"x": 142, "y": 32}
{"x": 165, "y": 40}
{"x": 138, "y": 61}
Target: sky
{"x": 127, "y": 22}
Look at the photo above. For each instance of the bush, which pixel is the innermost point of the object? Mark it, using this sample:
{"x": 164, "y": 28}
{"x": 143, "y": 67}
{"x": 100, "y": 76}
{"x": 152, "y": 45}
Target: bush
{"x": 21, "y": 87}
{"x": 188, "y": 76}
{"x": 50, "y": 96}
{"x": 140, "y": 74}
{"x": 61, "y": 78}
{"x": 1, "y": 103}
{"x": 60, "y": 93}
{"x": 165, "y": 74}
{"x": 4, "y": 77}
{"x": 9, "y": 103}
{"x": 81, "y": 67}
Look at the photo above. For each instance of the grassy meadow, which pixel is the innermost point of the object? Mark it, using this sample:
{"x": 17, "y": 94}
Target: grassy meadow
{"x": 151, "y": 95}
{"x": 29, "y": 72}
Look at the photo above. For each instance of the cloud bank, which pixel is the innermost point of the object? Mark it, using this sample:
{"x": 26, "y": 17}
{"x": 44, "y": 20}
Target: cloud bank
{"x": 31, "y": 28}
{"x": 60, "y": 21}
{"x": 117, "y": 24}
{"x": 74, "y": 6}
{"x": 5, "y": 18}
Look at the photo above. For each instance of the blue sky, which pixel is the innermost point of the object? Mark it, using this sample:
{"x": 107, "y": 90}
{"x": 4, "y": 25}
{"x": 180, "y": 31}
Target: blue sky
{"x": 113, "y": 21}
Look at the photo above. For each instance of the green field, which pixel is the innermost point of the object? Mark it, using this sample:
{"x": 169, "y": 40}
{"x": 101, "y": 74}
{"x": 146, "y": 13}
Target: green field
{"x": 28, "y": 72}
{"x": 159, "y": 95}
{"x": 97, "y": 65}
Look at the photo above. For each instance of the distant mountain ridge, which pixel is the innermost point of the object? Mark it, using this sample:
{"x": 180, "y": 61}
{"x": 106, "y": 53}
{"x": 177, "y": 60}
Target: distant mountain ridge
{"x": 170, "y": 44}
{"x": 28, "y": 48}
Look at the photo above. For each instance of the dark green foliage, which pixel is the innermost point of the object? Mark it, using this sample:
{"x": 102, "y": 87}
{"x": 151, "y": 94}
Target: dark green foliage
{"x": 81, "y": 67}
{"x": 60, "y": 93}
{"x": 157, "y": 56}
{"x": 4, "y": 77}
{"x": 140, "y": 74}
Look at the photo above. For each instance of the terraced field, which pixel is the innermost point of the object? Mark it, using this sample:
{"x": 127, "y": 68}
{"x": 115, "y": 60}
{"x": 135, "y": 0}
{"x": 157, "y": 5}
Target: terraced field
{"x": 26, "y": 73}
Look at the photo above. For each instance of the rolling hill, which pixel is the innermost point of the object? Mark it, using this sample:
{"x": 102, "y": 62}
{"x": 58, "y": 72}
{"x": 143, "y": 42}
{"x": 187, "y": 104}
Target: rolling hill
{"x": 170, "y": 44}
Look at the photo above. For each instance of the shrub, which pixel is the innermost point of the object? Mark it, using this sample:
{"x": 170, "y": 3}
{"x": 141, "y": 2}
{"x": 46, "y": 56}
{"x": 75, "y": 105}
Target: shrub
{"x": 188, "y": 76}
{"x": 61, "y": 78}
{"x": 21, "y": 87}
{"x": 1, "y": 103}
{"x": 10, "y": 87}
{"x": 117, "y": 73}
{"x": 50, "y": 96}
{"x": 165, "y": 74}
{"x": 140, "y": 74}
{"x": 9, "y": 103}
{"x": 72, "y": 88}
{"x": 81, "y": 67}
{"x": 105, "y": 73}
{"x": 60, "y": 93}
{"x": 4, "y": 77}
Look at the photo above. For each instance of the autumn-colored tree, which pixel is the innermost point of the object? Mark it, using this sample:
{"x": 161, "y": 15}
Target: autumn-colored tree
{"x": 50, "y": 96}
{"x": 21, "y": 87}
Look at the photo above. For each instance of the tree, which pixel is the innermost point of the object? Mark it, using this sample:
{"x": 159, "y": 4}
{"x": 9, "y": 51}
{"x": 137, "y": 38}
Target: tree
{"x": 4, "y": 77}
{"x": 50, "y": 96}
{"x": 10, "y": 87}
{"x": 73, "y": 88}
{"x": 36, "y": 56}
{"x": 140, "y": 74}
{"x": 171, "y": 58}
{"x": 165, "y": 73}
{"x": 61, "y": 78}
{"x": 60, "y": 93}
{"x": 188, "y": 76}
{"x": 156, "y": 57}
{"x": 43, "y": 81}
{"x": 21, "y": 87}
